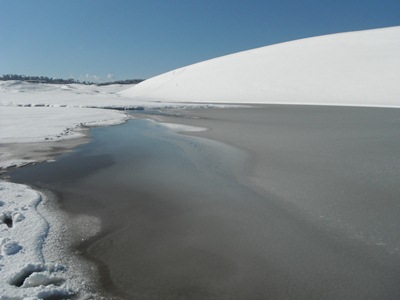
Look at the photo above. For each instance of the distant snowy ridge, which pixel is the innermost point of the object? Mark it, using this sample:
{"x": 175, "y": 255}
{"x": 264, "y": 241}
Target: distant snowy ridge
{"x": 354, "y": 68}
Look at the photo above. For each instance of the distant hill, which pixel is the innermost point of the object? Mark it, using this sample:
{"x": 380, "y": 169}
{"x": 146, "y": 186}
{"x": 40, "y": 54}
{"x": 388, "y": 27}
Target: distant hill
{"x": 354, "y": 68}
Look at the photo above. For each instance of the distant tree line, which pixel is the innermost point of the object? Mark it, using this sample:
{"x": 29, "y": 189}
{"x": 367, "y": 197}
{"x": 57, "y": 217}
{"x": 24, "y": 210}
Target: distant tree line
{"x": 126, "y": 81}
{"x": 45, "y": 79}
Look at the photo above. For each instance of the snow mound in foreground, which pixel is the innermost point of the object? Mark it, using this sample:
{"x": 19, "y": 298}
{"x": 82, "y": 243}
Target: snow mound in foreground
{"x": 34, "y": 263}
{"x": 23, "y": 270}
{"x": 354, "y": 68}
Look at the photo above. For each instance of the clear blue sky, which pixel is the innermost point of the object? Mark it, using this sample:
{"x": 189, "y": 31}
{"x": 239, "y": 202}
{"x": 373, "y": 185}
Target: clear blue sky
{"x": 140, "y": 39}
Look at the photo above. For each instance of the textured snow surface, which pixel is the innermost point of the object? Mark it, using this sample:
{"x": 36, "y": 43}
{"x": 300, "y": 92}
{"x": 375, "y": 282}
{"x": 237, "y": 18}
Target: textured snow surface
{"x": 23, "y": 230}
{"x": 34, "y": 260}
{"x": 354, "y": 68}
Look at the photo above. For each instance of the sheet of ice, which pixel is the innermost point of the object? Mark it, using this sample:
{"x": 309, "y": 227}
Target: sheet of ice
{"x": 356, "y": 68}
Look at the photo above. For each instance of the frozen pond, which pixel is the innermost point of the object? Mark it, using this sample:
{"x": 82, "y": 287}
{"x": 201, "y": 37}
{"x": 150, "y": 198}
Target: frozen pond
{"x": 306, "y": 209}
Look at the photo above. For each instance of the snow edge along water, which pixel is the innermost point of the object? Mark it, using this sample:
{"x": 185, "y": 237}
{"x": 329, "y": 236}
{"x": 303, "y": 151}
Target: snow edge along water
{"x": 35, "y": 260}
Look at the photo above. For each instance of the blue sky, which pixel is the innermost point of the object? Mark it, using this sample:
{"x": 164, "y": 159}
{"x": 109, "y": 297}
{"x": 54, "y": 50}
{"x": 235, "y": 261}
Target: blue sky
{"x": 89, "y": 39}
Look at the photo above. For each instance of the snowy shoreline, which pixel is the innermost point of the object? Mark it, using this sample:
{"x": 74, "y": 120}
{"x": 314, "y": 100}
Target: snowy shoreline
{"x": 35, "y": 262}
{"x": 36, "y": 235}
{"x": 35, "y": 117}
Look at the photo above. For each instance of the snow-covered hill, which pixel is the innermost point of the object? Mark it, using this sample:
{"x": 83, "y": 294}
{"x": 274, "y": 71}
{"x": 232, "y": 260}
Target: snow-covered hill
{"x": 354, "y": 68}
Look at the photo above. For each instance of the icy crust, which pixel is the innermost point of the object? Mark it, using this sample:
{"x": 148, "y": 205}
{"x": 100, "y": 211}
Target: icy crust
{"x": 24, "y": 272}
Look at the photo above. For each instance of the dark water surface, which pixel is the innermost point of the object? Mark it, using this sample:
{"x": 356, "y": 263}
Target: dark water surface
{"x": 188, "y": 218}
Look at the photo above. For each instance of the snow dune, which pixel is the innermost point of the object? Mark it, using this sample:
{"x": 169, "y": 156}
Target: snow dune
{"x": 354, "y": 68}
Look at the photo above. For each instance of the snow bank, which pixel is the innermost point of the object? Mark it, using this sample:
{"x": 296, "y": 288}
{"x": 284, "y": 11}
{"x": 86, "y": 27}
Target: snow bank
{"x": 35, "y": 262}
{"x": 23, "y": 270}
{"x": 355, "y": 68}
{"x": 40, "y": 124}
{"x": 35, "y": 112}
{"x": 36, "y": 124}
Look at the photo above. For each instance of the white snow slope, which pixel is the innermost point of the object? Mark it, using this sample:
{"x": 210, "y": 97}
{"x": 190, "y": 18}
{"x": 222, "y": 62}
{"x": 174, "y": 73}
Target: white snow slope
{"x": 354, "y": 68}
